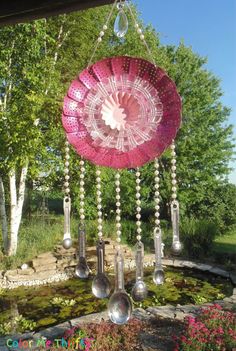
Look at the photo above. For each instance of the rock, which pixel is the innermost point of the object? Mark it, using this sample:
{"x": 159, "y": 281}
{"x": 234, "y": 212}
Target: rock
{"x": 163, "y": 311}
{"x": 27, "y": 271}
{"x": 50, "y": 267}
{"x": 43, "y": 261}
{"x": 46, "y": 255}
{"x": 204, "y": 267}
{"x": 189, "y": 264}
{"x": 91, "y": 318}
{"x": 219, "y": 271}
{"x": 233, "y": 278}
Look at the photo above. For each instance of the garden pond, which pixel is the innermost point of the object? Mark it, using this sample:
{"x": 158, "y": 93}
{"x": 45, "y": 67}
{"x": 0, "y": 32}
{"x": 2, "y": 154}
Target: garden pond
{"x": 24, "y": 309}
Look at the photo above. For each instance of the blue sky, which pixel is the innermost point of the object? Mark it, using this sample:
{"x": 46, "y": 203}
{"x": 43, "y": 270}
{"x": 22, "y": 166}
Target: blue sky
{"x": 209, "y": 27}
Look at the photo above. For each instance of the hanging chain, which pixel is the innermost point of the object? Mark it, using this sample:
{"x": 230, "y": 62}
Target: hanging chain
{"x": 173, "y": 171}
{"x": 138, "y": 204}
{"x": 157, "y": 194}
{"x": 66, "y": 170}
{"x": 140, "y": 33}
{"x": 102, "y": 32}
{"x": 99, "y": 204}
{"x": 82, "y": 192}
{"x": 118, "y": 210}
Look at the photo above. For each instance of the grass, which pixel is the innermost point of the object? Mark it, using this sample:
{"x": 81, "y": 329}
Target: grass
{"x": 226, "y": 243}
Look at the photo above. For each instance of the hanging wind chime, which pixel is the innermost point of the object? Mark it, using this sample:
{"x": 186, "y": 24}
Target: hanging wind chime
{"x": 121, "y": 112}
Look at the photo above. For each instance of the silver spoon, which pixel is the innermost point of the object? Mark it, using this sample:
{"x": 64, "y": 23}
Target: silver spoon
{"x": 82, "y": 269}
{"x": 101, "y": 286}
{"x": 67, "y": 242}
{"x": 139, "y": 291}
{"x": 158, "y": 275}
{"x": 176, "y": 247}
{"x": 120, "y": 305}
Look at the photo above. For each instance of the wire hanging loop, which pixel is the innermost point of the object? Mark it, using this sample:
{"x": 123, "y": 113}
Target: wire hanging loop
{"x": 176, "y": 247}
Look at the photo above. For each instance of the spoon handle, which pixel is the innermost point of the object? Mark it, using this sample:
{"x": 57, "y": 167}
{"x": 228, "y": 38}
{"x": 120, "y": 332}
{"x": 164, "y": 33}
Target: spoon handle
{"x": 82, "y": 243}
{"x": 119, "y": 270}
{"x": 67, "y": 209}
{"x": 100, "y": 255}
{"x": 175, "y": 220}
{"x": 139, "y": 260}
{"x": 157, "y": 243}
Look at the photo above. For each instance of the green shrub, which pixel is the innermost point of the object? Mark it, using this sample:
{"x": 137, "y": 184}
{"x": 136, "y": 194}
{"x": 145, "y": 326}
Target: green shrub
{"x": 197, "y": 236}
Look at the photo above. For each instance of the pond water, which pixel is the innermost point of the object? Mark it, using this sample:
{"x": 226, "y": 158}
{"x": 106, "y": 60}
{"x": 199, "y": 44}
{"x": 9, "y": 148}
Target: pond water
{"x": 25, "y": 309}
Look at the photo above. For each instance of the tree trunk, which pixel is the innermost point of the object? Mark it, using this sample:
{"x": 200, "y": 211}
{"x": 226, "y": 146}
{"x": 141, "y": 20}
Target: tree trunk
{"x": 16, "y": 207}
{"x": 3, "y": 216}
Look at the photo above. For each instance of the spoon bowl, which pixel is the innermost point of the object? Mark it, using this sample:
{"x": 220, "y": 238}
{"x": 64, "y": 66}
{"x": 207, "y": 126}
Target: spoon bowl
{"x": 101, "y": 286}
{"x": 139, "y": 291}
{"x": 67, "y": 243}
{"x": 82, "y": 269}
{"x": 119, "y": 307}
{"x": 158, "y": 276}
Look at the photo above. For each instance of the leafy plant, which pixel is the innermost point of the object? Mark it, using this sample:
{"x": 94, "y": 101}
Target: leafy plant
{"x": 213, "y": 329}
{"x": 60, "y": 301}
{"x": 19, "y": 324}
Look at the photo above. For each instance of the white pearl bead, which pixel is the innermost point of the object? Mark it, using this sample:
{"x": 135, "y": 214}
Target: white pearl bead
{"x": 81, "y": 210}
{"x": 81, "y": 176}
{"x": 156, "y": 164}
{"x": 66, "y": 142}
{"x": 138, "y": 223}
{"x": 118, "y": 211}
{"x": 98, "y": 172}
{"x": 173, "y": 181}
{"x": 174, "y": 189}
{"x": 157, "y": 186}
{"x": 117, "y": 183}
{"x": 67, "y": 190}
{"x": 156, "y": 173}
{"x": 138, "y": 202}
{"x": 173, "y": 161}
{"x": 173, "y": 175}
{"x": 99, "y": 206}
{"x": 100, "y": 234}
{"x": 157, "y": 193}
{"x": 99, "y": 193}
{"x": 81, "y": 162}
{"x": 66, "y": 184}
{"x": 157, "y": 221}
{"x": 138, "y": 181}
{"x": 82, "y": 169}
{"x": 138, "y": 237}
{"x": 104, "y": 27}
{"x": 173, "y": 168}
{"x": 100, "y": 227}
{"x": 157, "y": 200}
{"x": 174, "y": 196}
{"x": 118, "y": 204}
{"x": 82, "y": 216}
{"x": 67, "y": 177}
{"x": 99, "y": 220}
{"x": 82, "y": 183}
{"x": 118, "y": 190}
{"x": 118, "y": 232}
{"x": 142, "y": 37}
{"x": 138, "y": 216}
{"x": 173, "y": 153}
{"x": 118, "y": 225}
{"x": 138, "y": 188}
{"x": 172, "y": 146}
{"x": 67, "y": 149}
{"x": 117, "y": 197}
{"x": 99, "y": 39}
{"x": 138, "y": 174}
{"x": 99, "y": 213}
{"x": 98, "y": 179}
{"x": 118, "y": 218}
{"x": 139, "y": 230}
{"x": 118, "y": 240}
{"x": 138, "y": 196}
{"x": 139, "y": 31}
{"x": 81, "y": 196}
{"x": 138, "y": 209}
{"x": 157, "y": 179}
{"x": 117, "y": 176}
{"x": 81, "y": 203}
{"x": 136, "y": 25}
{"x": 99, "y": 200}
{"x": 157, "y": 214}
{"x": 157, "y": 207}
{"x": 66, "y": 170}
{"x": 101, "y": 34}
{"x": 67, "y": 164}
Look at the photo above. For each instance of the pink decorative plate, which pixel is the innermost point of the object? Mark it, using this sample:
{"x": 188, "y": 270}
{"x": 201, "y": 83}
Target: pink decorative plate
{"x": 121, "y": 112}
